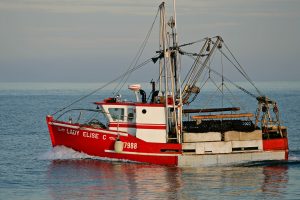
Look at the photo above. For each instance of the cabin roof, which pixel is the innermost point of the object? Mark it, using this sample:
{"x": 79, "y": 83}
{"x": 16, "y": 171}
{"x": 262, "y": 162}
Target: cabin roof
{"x": 128, "y": 103}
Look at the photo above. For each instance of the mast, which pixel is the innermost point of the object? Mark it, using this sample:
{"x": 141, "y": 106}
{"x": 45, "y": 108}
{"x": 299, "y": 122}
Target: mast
{"x": 175, "y": 44}
{"x": 169, "y": 84}
{"x": 163, "y": 69}
{"x": 176, "y": 67}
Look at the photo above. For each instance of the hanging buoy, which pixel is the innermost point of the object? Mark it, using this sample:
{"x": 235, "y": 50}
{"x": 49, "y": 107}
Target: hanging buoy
{"x": 118, "y": 146}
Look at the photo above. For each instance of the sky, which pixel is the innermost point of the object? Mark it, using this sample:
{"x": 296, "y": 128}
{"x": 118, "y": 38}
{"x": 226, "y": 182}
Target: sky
{"x": 96, "y": 40}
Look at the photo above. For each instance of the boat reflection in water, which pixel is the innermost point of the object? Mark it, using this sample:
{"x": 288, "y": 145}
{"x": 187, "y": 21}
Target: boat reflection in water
{"x": 74, "y": 179}
{"x": 276, "y": 178}
{"x": 88, "y": 178}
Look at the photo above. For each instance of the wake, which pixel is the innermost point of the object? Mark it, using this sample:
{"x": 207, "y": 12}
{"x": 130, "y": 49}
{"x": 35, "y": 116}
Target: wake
{"x": 64, "y": 153}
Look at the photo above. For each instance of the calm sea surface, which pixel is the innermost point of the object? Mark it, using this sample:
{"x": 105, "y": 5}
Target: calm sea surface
{"x": 31, "y": 169}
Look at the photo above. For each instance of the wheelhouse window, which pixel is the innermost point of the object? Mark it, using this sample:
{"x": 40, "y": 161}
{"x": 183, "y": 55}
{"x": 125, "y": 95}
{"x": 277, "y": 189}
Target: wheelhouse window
{"x": 116, "y": 113}
{"x": 130, "y": 116}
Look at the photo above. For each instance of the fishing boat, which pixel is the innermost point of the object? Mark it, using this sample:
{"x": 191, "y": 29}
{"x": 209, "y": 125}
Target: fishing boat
{"x": 166, "y": 127}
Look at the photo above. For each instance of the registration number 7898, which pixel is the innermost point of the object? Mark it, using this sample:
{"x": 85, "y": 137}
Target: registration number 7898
{"x": 130, "y": 145}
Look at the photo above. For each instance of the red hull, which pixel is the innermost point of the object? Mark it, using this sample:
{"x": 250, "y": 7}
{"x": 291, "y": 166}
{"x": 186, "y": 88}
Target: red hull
{"x": 100, "y": 142}
{"x": 277, "y": 144}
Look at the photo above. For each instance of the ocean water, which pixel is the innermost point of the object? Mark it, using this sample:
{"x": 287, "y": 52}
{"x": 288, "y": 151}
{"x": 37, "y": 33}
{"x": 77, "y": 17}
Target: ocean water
{"x": 31, "y": 169}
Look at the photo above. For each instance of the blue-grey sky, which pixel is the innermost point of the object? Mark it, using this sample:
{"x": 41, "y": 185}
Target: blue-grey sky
{"x": 95, "y": 40}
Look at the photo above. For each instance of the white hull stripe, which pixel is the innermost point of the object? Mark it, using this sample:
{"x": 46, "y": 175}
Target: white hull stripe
{"x": 87, "y": 129}
{"x": 142, "y": 154}
{"x": 64, "y": 125}
{"x": 136, "y": 124}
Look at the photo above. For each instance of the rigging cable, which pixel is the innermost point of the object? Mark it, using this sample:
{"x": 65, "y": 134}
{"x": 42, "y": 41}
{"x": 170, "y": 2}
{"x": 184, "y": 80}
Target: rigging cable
{"x": 222, "y": 80}
{"x": 195, "y": 70}
{"x": 227, "y": 79}
{"x": 191, "y": 43}
{"x": 236, "y": 64}
{"x": 241, "y": 70}
{"x": 105, "y": 85}
{"x": 137, "y": 57}
{"x": 236, "y": 85}
{"x": 126, "y": 74}
{"x": 236, "y": 99}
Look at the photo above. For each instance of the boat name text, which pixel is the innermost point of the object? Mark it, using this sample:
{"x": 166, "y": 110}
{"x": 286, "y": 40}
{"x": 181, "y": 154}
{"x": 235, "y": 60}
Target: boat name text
{"x": 86, "y": 134}
{"x": 90, "y": 135}
{"x": 72, "y": 132}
